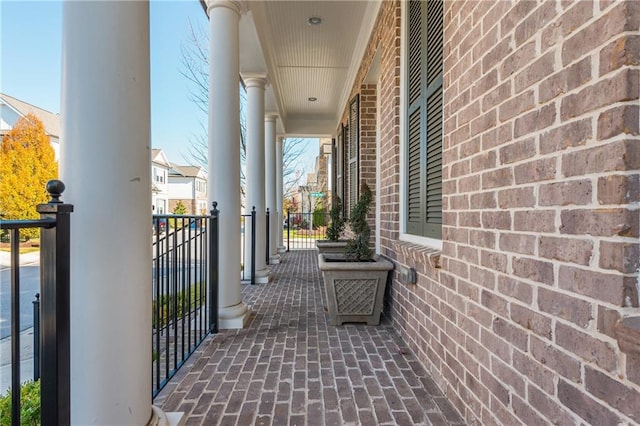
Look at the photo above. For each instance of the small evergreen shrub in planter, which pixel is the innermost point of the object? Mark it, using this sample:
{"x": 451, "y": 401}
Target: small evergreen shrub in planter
{"x": 336, "y": 226}
{"x": 355, "y": 282}
{"x": 358, "y": 249}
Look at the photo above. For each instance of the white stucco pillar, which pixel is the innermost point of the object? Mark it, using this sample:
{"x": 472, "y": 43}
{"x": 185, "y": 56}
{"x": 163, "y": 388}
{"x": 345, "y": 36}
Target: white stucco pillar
{"x": 279, "y": 191}
{"x": 224, "y": 154}
{"x": 255, "y": 175}
{"x": 270, "y": 187}
{"x": 105, "y": 163}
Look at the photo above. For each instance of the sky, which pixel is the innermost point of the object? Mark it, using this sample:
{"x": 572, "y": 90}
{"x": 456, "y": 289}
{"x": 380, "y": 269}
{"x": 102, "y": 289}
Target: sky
{"x": 30, "y": 70}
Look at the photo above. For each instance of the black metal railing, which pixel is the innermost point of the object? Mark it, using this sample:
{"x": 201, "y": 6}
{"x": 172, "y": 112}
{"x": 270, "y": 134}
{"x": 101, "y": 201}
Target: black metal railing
{"x": 267, "y": 237}
{"x": 303, "y": 229}
{"x": 185, "y": 289}
{"x": 36, "y": 337}
{"x": 52, "y": 326}
{"x": 248, "y": 246}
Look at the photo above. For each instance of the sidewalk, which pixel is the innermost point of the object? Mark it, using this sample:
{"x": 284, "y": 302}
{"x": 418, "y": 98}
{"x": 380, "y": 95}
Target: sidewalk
{"x": 26, "y": 336}
{"x": 26, "y": 359}
{"x": 25, "y": 259}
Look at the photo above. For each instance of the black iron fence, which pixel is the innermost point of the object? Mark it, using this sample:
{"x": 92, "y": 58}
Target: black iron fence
{"x": 301, "y": 230}
{"x": 248, "y": 247}
{"x": 52, "y": 324}
{"x": 185, "y": 289}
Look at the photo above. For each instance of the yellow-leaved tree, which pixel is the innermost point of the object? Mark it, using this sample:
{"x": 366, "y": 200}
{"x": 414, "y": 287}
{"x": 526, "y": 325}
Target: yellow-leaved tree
{"x": 27, "y": 163}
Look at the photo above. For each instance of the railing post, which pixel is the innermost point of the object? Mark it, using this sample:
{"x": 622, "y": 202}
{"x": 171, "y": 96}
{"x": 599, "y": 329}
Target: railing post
{"x": 54, "y": 337}
{"x": 36, "y": 337}
{"x": 15, "y": 326}
{"x": 214, "y": 259}
{"x": 288, "y": 227}
{"x": 253, "y": 245}
{"x": 267, "y": 245}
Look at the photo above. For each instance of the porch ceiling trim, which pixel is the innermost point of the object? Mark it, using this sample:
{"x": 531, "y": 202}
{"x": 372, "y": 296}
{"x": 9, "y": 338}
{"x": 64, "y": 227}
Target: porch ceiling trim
{"x": 309, "y": 73}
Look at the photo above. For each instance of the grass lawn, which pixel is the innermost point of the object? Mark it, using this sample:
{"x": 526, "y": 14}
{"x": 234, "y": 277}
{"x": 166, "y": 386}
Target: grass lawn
{"x": 23, "y": 250}
{"x": 25, "y": 247}
{"x": 304, "y": 233}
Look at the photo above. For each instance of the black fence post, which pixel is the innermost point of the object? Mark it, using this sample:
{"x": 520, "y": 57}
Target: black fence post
{"x": 253, "y": 245}
{"x": 267, "y": 248}
{"x": 214, "y": 263}
{"x": 36, "y": 337}
{"x": 288, "y": 228}
{"x": 15, "y": 326}
{"x": 55, "y": 260}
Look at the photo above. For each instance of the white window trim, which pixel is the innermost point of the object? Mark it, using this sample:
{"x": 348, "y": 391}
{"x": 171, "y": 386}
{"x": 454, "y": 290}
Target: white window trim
{"x": 403, "y": 235}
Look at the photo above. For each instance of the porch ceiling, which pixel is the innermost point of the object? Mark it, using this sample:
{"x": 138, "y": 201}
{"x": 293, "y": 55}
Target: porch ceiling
{"x": 302, "y": 60}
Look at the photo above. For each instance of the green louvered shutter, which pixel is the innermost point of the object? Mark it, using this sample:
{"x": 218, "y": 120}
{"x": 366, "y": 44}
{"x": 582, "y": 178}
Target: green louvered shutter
{"x": 345, "y": 170}
{"x": 415, "y": 120}
{"x": 424, "y": 118}
{"x": 338, "y": 165}
{"x": 433, "y": 190}
{"x": 354, "y": 133}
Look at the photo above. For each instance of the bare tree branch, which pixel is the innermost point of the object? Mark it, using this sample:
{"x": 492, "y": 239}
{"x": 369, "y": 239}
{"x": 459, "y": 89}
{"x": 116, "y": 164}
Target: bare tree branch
{"x": 195, "y": 68}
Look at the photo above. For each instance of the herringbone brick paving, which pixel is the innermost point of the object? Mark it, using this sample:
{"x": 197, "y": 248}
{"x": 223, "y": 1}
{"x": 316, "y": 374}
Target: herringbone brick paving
{"x": 289, "y": 367}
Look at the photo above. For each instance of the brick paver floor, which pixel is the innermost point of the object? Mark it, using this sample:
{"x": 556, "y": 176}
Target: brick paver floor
{"x": 289, "y": 367}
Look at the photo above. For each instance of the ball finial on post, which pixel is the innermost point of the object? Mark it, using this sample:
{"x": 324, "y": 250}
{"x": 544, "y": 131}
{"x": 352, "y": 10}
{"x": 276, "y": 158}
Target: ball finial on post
{"x": 55, "y": 188}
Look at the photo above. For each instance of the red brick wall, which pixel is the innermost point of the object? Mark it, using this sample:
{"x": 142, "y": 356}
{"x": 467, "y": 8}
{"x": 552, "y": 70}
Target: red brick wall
{"x": 515, "y": 317}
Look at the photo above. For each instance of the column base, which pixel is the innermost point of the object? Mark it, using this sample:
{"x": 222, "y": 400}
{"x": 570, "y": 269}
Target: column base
{"x": 282, "y": 249}
{"x": 274, "y": 259}
{"x": 160, "y": 418}
{"x": 262, "y": 277}
{"x": 233, "y": 317}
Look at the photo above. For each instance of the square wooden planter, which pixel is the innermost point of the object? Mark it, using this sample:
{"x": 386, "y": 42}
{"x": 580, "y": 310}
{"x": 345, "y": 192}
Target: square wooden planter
{"x": 355, "y": 290}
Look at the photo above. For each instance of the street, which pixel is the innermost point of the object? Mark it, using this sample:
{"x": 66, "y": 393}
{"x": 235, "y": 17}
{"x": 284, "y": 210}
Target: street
{"x": 29, "y": 286}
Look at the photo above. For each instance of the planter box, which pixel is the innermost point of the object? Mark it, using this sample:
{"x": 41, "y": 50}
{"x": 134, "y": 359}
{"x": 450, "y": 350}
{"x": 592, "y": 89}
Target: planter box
{"x": 326, "y": 246}
{"x": 355, "y": 290}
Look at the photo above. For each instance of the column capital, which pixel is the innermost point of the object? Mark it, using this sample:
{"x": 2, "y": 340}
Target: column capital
{"x": 234, "y": 5}
{"x": 255, "y": 80}
{"x": 270, "y": 117}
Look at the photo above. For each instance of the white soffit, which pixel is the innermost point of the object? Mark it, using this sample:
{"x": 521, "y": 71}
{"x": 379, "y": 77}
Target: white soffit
{"x": 302, "y": 60}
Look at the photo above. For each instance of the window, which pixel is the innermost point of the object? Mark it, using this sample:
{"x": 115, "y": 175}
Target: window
{"x": 158, "y": 176}
{"x": 424, "y": 118}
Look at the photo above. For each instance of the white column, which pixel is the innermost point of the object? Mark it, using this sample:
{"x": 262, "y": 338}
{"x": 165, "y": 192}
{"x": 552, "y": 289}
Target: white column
{"x": 224, "y": 154}
{"x": 255, "y": 176}
{"x": 105, "y": 163}
{"x": 279, "y": 191}
{"x": 270, "y": 187}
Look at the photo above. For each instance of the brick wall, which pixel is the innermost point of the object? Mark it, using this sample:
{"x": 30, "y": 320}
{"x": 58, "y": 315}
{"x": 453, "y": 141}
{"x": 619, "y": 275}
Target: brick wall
{"x": 386, "y": 41}
{"x": 516, "y": 316}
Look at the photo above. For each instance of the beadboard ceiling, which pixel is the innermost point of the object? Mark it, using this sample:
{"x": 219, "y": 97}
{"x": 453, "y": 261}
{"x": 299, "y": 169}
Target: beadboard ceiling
{"x": 302, "y": 60}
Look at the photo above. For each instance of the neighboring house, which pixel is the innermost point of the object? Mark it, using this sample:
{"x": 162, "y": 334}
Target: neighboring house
{"x": 12, "y": 109}
{"x": 188, "y": 185}
{"x": 160, "y": 167}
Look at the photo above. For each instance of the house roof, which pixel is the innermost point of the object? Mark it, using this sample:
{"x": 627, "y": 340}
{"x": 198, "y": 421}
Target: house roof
{"x": 50, "y": 120}
{"x": 159, "y": 157}
{"x": 187, "y": 171}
